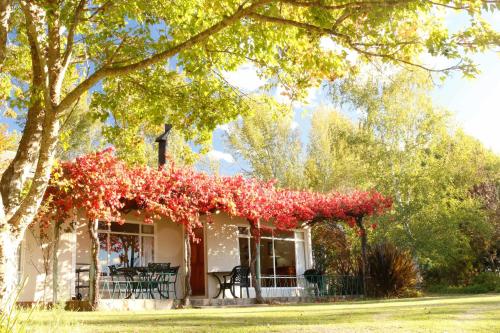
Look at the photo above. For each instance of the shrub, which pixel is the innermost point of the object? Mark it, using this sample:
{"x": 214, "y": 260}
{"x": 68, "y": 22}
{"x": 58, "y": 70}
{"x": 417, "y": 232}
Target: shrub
{"x": 332, "y": 250}
{"x": 392, "y": 271}
{"x": 489, "y": 280}
{"x": 482, "y": 283}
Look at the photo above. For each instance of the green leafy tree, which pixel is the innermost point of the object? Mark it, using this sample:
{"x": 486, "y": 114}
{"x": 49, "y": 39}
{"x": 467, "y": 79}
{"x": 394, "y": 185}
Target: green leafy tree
{"x": 60, "y": 51}
{"x": 80, "y": 133}
{"x": 334, "y": 152}
{"x": 404, "y": 146}
{"x": 134, "y": 109}
{"x": 270, "y": 142}
{"x": 428, "y": 166}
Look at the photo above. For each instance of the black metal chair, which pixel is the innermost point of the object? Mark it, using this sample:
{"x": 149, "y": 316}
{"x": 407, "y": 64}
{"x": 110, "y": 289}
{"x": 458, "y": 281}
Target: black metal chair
{"x": 155, "y": 277}
{"x": 239, "y": 277}
{"x": 121, "y": 279}
{"x": 317, "y": 280}
{"x": 171, "y": 280}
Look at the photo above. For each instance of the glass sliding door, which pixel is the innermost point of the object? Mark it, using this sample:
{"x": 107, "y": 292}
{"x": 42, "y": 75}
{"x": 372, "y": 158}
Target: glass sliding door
{"x": 282, "y": 255}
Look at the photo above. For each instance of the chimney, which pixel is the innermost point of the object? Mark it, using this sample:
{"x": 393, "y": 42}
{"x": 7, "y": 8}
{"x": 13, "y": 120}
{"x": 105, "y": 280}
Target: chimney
{"x": 162, "y": 145}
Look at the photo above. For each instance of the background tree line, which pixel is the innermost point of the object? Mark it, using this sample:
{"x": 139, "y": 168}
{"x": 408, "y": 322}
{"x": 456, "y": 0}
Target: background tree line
{"x": 444, "y": 183}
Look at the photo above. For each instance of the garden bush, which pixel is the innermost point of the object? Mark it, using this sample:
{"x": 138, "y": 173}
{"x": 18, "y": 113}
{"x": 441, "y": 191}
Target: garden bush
{"x": 482, "y": 283}
{"x": 392, "y": 271}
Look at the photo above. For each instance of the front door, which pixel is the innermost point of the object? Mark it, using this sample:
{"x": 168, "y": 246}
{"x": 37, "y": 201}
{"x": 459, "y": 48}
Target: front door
{"x": 198, "y": 264}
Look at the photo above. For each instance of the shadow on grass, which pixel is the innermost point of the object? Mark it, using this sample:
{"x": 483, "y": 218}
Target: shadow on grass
{"x": 287, "y": 318}
{"x": 275, "y": 318}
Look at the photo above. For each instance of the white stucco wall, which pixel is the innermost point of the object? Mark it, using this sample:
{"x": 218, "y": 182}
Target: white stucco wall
{"x": 221, "y": 254}
{"x": 37, "y": 268}
{"x": 169, "y": 247}
{"x": 221, "y": 247}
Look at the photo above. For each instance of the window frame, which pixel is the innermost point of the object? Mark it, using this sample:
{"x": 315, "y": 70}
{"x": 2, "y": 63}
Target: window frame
{"x": 140, "y": 234}
{"x": 273, "y": 238}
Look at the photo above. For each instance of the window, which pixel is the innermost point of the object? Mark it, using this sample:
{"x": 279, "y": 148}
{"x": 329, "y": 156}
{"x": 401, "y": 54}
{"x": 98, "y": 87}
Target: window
{"x": 126, "y": 245}
{"x": 282, "y": 255}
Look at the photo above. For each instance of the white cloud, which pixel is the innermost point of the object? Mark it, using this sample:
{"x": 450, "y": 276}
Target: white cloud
{"x": 280, "y": 95}
{"x": 223, "y": 127}
{"x": 245, "y": 78}
{"x": 217, "y": 155}
{"x": 313, "y": 97}
{"x": 439, "y": 62}
{"x": 327, "y": 44}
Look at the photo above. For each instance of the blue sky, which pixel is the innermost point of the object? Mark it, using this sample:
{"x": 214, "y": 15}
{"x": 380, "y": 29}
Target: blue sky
{"x": 475, "y": 102}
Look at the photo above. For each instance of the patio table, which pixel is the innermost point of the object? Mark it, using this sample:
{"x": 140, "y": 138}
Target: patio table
{"x": 216, "y": 275}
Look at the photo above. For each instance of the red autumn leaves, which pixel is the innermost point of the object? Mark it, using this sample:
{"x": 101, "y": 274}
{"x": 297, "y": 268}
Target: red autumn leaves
{"x": 104, "y": 188}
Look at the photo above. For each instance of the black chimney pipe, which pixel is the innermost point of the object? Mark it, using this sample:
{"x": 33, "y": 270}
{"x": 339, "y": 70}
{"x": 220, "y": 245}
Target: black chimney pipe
{"x": 162, "y": 145}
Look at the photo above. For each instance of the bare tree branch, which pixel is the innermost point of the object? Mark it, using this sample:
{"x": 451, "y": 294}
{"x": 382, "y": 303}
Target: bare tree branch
{"x": 34, "y": 25}
{"x": 341, "y": 19}
{"x": 15, "y": 176}
{"x": 29, "y": 206}
{"x": 371, "y": 4}
{"x": 461, "y": 7}
{"x": 53, "y": 18}
{"x": 71, "y": 37}
{"x": 100, "y": 9}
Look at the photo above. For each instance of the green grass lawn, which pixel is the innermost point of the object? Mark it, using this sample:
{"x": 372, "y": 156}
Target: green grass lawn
{"x": 478, "y": 313}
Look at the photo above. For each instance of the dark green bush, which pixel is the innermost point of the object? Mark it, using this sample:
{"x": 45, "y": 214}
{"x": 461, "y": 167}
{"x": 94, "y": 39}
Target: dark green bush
{"x": 482, "y": 283}
{"x": 392, "y": 271}
{"x": 489, "y": 280}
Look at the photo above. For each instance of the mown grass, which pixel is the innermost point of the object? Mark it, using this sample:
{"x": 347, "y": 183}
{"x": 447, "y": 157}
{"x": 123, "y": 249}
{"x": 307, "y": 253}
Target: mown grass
{"x": 478, "y": 313}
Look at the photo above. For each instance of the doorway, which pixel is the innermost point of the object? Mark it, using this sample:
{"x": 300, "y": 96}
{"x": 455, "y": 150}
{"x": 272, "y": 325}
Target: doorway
{"x": 198, "y": 264}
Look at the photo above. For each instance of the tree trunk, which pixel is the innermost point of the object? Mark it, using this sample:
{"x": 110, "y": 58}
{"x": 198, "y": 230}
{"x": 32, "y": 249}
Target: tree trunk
{"x": 15, "y": 176}
{"x": 364, "y": 242}
{"x": 255, "y": 263}
{"x": 187, "y": 266}
{"x": 55, "y": 261}
{"x": 94, "y": 265}
{"x": 8, "y": 269}
{"x": 13, "y": 228}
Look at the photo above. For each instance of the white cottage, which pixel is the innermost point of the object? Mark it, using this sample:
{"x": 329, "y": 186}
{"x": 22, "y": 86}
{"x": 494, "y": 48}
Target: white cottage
{"x": 223, "y": 244}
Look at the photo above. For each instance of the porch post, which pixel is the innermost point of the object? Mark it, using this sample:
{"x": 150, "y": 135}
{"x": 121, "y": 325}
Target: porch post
{"x": 257, "y": 258}
{"x": 94, "y": 264}
{"x": 187, "y": 266}
{"x": 255, "y": 263}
